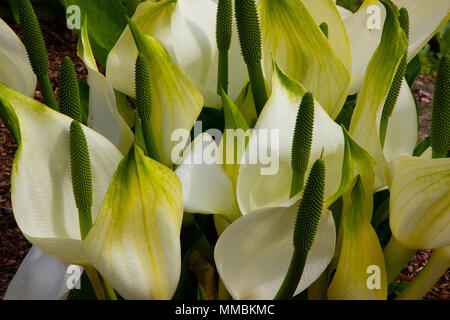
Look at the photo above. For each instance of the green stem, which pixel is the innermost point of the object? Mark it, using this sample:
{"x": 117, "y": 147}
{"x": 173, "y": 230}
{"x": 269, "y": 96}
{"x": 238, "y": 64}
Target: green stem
{"x": 85, "y": 218}
{"x": 96, "y": 282}
{"x": 430, "y": 274}
{"x": 318, "y": 290}
{"x": 47, "y": 91}
{"x": 258, "y": 86}
{"x": 296, "y": 182}
{"x": 222, "y": 293}
{"x": 383, "y": 129}
{"x": 150, "y": 141}
{"x": 222, "y": 78}
{"x": 293, "y": 276}
{"x": 396, "y": 256}
{"x": 108, "y": 290}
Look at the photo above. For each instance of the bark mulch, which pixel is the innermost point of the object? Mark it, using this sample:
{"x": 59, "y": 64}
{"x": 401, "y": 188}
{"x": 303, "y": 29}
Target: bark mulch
{"x": 60, "y": 43}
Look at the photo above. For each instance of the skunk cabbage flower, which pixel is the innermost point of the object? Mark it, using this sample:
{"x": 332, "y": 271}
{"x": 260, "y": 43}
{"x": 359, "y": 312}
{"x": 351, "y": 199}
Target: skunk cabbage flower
{"x": 15, "y": 69}
{"x": 45, "y": 185}
{"x": 279, "y": 114}
{"x": 426, "y": 18}
{"x": 364, "y": 126}
{"x": 176, "y": 102}
{"x": 187, "y": 30}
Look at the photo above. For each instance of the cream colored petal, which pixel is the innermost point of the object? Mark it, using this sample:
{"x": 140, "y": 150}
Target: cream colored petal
{"x": 153, "y": 18}
{"x": 186, "y": 29}
{"x": 135, "y": 240}
{"x": 344, "y": 13}
{"x": 420, "y": 202}
{"x": 39, "y": 277}
{"x": 176, "y": 102}
{"x": 103, "y": 114}
{"x": 206, "y": 186}
{"x": 253, "y": 254}
{"x": 292, "y": 36}
{"x": 195, "y": 49}
{"x": 41, "y": 191}
{"x": 15, "y": 69}
{"x": 265, "y": 173}
{"x": 363, "y": 41}
{"x": 425, "y": 19}
{"x": 402, "y": 131}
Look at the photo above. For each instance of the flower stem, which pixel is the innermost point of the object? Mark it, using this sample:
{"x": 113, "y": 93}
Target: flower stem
{"x": 430, "y": 274}
{"x": 295, "y": 271}
{"x": 296, "y": 182}
{"x": 96, "y": 282}
{"x": 47, "y": 91}
{"x": 108, "y": 290}
{"x": 222, "y": 293}
{"x": 258, "y": 86}
{"x": 318, "y": 290}
{"x": 222, "y": 78}
{"x": 396, "y": 256}
{"x": 383, "y": 129}
{"x": 85, "y": 218}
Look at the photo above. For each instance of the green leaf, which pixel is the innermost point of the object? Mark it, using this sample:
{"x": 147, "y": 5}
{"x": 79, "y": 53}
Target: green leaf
{"x": 124, "y": 109}
{"x": 443, "y": 37}
{"x": 14, "y": 10}
{"x": 201, "y": 294}
{"x": 107, "y": 20}
{"x": 233, "y": 147}
{"x": 422, "y": 147}
{"x": 84, "y": 100}
{"x": 412, "y": 70}
{"x": 345, "y": 116}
